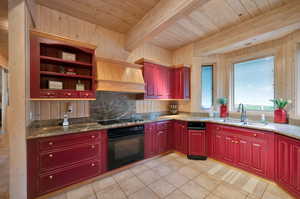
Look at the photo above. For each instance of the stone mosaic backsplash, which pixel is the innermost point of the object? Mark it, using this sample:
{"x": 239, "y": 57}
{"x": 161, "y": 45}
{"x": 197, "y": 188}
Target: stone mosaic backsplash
{"x": 112, "y": 105}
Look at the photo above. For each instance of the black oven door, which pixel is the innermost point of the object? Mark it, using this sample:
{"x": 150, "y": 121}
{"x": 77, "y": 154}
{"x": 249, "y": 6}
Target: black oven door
{"x": 124, "y": 150}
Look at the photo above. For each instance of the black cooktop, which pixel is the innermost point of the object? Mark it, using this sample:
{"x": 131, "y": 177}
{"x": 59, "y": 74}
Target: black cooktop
{"x": 109, "y": 122}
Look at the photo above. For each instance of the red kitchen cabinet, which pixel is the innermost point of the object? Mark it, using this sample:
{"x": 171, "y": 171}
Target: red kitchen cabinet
{"x": 150, "y": 140}
{"x": 58, "y": 161}
{"x": 288, "y": 164}
{"x": 163, "y": 82}
{"x": 181, "y": 87}
{"x": 197, "y": 143}
{"x": 157, "y": 138}
{"x": 181, "y": 136}
{"x": 248, "y": 149}
{"x": 48, "y": 64}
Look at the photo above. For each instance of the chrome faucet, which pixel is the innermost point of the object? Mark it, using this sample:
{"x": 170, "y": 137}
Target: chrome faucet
{"x": 242, "y": 110}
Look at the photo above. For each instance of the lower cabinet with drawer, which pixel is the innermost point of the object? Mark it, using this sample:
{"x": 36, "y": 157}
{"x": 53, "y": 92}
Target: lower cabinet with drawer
{"x": 248, "y": 149}
{"x": 59, "y": 161}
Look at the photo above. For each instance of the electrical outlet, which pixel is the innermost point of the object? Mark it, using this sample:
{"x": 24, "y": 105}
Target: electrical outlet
{"x": 70, "y": 108}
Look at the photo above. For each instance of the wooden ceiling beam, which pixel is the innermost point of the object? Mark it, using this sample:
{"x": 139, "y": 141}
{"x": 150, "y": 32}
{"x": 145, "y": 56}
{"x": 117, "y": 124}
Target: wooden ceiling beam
{"x": 163, "y": 15}
{"x": 271, "y": 25}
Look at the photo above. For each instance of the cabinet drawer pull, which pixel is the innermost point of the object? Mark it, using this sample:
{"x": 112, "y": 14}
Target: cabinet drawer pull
{"x": 50, "y": 177}
{"x": 50, "y": 143}
{"x": 93, "y": 136}
{"x": 254, "y": 134}
{"x": 236, "y": 142}
{"x": 50, "y": 155}
{"x": 69, "y": 94}
{"x": 93, "y": 146}
{"x": 232, "y": 141}
{"x": 92, "y": 164}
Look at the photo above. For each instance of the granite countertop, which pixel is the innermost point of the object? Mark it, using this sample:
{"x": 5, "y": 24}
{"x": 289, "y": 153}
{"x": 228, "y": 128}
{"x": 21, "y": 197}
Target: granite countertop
{"x": 284, "y": 129}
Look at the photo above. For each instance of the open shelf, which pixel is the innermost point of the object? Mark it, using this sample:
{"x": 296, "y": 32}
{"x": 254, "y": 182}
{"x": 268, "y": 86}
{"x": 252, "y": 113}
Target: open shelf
{"x": 62, "y": 61}
{"x": 65, "y": 75}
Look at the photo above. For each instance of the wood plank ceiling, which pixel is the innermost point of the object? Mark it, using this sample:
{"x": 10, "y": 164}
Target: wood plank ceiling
{"x": 204, "y": 21}
{"x": 212, "y": 18}
{"x": 117, "y": 15}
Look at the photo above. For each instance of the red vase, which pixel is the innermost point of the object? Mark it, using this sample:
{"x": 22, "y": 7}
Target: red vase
{"x": 223, "y": 110}
{"x": 280, "y": 116}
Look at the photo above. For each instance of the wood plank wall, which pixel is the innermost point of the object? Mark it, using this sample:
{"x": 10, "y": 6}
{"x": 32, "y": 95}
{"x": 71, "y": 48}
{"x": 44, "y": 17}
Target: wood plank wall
{"x": 110, "y": 45}
{"x": 284, "y": 49}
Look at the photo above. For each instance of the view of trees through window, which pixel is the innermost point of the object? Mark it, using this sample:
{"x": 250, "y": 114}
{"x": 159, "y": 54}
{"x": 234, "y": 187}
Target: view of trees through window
{"x": 254, "y": 84}
{"x": 207, "y": 86}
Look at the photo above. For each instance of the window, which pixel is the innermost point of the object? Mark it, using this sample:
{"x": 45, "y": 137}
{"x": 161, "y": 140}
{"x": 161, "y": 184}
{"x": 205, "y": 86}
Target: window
{"x": 254, "y": 84}
{"x": 207, "y": 86}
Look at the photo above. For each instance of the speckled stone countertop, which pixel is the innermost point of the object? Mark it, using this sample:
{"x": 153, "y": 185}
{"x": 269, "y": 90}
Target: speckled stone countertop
{"x": 283, "y": 129}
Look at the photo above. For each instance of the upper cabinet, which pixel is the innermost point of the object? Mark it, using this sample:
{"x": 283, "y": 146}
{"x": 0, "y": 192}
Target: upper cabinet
{"x": 163, "y": 82}
{"x": 60, "y": 69}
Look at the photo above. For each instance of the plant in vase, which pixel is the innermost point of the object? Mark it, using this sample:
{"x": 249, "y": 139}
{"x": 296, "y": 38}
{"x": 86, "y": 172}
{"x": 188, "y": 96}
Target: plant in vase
{"x": 280, "y": 114}
{"x": 223, "y": 108}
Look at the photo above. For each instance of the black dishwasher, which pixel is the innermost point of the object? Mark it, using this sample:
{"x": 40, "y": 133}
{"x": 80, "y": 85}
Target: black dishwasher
{"x": 197, "y": 141}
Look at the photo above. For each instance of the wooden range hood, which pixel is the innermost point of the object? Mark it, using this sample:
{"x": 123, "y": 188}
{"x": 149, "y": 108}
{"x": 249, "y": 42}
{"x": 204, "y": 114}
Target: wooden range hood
{"x": 119, "y": 76}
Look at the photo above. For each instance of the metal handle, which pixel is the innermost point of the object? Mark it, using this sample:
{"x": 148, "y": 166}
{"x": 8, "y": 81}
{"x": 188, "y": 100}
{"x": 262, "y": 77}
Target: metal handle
{"x": 236, "y": 142}
{"x": 50, "y": 155}
{"x": 50, "y": 177}
{"x": 69, "y": 94}
{"x": 254, "y": 134}
{"x": 93, "y": 146}
{"x": 93, "y": 136}
{"x": 50, "y": 143}
{"x": 92, "y": 164}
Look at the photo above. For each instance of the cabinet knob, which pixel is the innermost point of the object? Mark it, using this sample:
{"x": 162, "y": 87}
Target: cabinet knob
{"x": 93, "y": 136}
{"x": 50, "y": 177}
{"x": 48, "y": 94}
{"x": 236, "y": 142}
{"x": 92, "y": 164}
{"x": 93, "y": 146}
{"x": 254, "y": 134}
{"x": 50, "y": 143}
{"x": 87, "y": 94}
{"x": 50, "y": 155}
{"x": 69, "y": 94}
{"x": 232, "y": 141}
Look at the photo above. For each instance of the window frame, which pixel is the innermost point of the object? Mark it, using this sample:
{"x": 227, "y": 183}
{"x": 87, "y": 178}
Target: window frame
{"x": 233, "y": 78}
{"x": 212, "y": 88}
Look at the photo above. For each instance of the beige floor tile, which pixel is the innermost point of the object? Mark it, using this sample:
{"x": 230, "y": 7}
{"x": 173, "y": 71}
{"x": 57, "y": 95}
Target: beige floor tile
{"x": 255, "y": 187}
{"x": 275, "y": 192}
{"x": 131, "y": 185}
{"x": 166, "y": 158}
{"x": 177, "y": 195}
{"x": 145, "y": 193}
{"x": 139, "y": 169}
{"x": 227, "y": 191}
{"x": 194, "y": 190}
{"x": 212, "y": 196}
{"x": 174, "y": 164}
{"x": 176, "y": 179}
{"x": 124, "y": 175}
{"x": 174, "y": 155}
{"x": 84, "y": 192}
{"x": 61, "y": 196}
{"x": 103, "y": 183}
{"x": 152, "y": 163}
{"x": 185, "y": 160}
{"x": 208, "y": 182}
{"x": 111, "y": 192}
{"x": 148, "y": 177}
{"x": 162, "y": 188}
{"x": 162, "y": 170}
{"x": 189, "y": 172}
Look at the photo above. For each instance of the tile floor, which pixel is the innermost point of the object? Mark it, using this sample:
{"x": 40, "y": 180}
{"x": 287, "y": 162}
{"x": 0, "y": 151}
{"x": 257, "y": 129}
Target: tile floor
{"x": 4, "y": 173}
{"x": 175, "y": 177}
